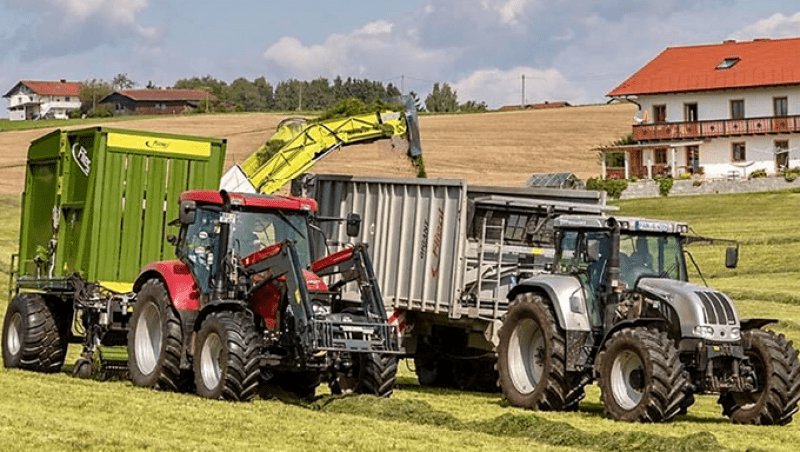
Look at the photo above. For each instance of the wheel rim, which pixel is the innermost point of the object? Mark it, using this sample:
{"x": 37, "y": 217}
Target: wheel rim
{"x": 627, "y": 379}
{"x": 210, "y": 367}
{"x": 526, "y": 356}
{"x": 13, "y": 339}
{"x": 148, "y": 338}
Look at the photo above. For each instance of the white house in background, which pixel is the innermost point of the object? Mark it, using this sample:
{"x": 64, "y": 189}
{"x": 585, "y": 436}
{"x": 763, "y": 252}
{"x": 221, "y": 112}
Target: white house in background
{"x": 30, "y": 99}
{"x": 723, "y": 110}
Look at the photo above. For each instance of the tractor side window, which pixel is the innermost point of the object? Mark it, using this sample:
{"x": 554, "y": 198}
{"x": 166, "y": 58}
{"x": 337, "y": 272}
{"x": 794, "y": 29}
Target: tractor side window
{"x": 567, "y": 251}
{"x": 200, "y": 246}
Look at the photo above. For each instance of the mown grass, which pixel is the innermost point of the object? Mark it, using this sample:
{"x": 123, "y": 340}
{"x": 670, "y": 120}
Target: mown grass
{"x": 10, "y": 126}
{"x": 58, "y": 412}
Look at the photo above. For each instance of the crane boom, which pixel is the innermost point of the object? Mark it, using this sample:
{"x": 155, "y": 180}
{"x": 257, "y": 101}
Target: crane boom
{"x": 303, "y": 144}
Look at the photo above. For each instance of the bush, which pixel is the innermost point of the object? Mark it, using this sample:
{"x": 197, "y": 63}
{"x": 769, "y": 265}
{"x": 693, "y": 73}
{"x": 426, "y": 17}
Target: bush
{"x": 759, "y": 173}
{"x": 614, "y": 187}
{"x": 664, "y": 185}
{"x": 791, "y": 174}
{"x": 101, "y": 111}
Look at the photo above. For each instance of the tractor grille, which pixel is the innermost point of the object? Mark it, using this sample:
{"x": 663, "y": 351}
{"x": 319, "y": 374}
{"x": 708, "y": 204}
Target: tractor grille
{"x": 718, "y": 311}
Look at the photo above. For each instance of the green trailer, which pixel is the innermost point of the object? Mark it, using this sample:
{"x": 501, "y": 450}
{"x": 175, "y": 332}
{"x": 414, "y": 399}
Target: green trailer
{"x": 97, "y": 207}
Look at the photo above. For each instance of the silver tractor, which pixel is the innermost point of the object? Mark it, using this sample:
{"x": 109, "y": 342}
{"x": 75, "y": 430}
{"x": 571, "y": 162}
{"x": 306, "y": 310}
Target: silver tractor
{"x": 617, "y": 307}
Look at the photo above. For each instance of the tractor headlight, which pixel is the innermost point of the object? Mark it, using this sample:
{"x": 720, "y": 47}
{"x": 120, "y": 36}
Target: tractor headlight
{"x": 704, "y": 331}
{"x": 736, "y": 333}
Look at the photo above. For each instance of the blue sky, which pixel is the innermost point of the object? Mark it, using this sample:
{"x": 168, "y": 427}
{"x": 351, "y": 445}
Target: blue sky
{"x": 574, "y": 50}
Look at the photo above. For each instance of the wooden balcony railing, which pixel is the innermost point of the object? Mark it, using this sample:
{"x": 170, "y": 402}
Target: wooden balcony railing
{"x": 716, "y": 128}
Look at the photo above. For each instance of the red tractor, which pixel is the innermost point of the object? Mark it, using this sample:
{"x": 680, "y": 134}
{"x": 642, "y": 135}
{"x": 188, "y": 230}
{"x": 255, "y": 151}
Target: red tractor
{"x": 244, "y": 303}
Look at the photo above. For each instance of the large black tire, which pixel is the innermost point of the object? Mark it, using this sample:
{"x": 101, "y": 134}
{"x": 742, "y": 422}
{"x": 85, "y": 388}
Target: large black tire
{"x": 531, "y": 358}
{"x": 641, "y": 376}
{"x": 226, "y": 357}
{"x": 372, "y": 373}
{"x": 777, "y": 370}
{"x": 35, "y": 336}
{"x": 154, "y": 340}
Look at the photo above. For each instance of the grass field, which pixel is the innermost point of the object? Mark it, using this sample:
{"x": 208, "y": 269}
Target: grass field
{"x": 58, "y": 412}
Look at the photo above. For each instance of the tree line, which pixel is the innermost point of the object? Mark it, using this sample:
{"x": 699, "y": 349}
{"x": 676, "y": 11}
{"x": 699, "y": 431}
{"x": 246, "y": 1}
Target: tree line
{"x": 288, "y": 95}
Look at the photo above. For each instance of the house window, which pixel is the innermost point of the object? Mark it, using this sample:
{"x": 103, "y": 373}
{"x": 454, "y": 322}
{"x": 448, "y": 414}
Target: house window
{"x": 68, "y": 99}
{"x": 780, "y": 105}
{"x": 737, "y": 109}
{"x": 661, "y": 156}
{"x": 739, "y": 154}
{"x": 690, "y": 112}
{"x": 693, "y": 158}
{"x": 659, "y": 113}
{"x": 728, "y": 63}
{"x": 615, "y": 159}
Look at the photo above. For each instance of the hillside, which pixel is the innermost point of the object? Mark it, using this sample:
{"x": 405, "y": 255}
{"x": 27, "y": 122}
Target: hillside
{"x": 489, "y": 148}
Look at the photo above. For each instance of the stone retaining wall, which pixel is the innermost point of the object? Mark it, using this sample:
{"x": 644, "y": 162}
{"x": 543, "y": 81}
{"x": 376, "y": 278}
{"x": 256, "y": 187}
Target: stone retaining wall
{"x": 650, "y": 189}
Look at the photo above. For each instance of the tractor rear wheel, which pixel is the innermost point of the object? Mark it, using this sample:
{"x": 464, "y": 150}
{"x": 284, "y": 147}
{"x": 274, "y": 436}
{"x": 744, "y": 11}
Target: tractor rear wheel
{"x": 372, "y": 373}
{"x": 777, "y": 378}
{"x": 531, "y": 358}
{"x": 155, "y": 340}
{"x": 226, "y": 357}
{"x": 641, "y": 376}
{"x": 35, "y": 337}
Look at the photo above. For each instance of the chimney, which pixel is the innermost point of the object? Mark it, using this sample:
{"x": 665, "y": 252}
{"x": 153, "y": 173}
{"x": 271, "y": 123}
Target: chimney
{"x": 729, "y": 41}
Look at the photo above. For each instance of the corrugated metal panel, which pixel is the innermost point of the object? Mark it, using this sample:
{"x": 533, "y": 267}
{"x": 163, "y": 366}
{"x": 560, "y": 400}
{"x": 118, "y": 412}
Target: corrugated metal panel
{"x": 414, "y": 231}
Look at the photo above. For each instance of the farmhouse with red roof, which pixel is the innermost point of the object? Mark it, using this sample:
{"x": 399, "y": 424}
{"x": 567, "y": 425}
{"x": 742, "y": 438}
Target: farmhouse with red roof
{"x": 30, "y": 99}
{"x": 723, "y": 110}
{"x": 155, "y": 101}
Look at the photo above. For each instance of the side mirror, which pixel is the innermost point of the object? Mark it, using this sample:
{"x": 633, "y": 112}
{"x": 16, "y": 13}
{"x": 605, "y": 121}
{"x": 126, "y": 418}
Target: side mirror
{"x": 353, "y": 224}
{"x": 593, "y": 250}
{"x": 732, "y": 257}
{"x": 187, "y": 211}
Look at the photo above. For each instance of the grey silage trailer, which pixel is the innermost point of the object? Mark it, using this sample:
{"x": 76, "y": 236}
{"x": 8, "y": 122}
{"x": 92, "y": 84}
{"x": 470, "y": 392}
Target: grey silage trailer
{"x": 446, "y": 254}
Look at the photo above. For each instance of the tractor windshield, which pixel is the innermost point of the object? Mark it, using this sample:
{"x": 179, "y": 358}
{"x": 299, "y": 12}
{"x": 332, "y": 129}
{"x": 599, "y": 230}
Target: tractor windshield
{"x": 650, "y": 254}
{"x": 254, "y": 230}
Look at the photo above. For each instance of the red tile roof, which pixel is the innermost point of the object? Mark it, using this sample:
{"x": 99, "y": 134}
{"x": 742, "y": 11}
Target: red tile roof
{"x": 49, "y": 88}
{"x": 166, "y": 94}
{"x": 763, "y": 62}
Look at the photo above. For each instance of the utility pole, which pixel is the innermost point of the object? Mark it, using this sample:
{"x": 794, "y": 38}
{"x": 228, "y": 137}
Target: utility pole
{"x": 402, "y": 84}
{"x": 300, "y": 100}
{"x": 522, "y": 104}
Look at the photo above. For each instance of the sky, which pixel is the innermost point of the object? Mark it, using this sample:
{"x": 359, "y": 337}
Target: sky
{"x": 575, "y": 51}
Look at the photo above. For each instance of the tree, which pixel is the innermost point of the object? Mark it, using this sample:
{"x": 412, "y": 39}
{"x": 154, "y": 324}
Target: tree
{"x": 92, "y": 91}
{"x": 442, "y": 100}
{"x": 472, "y": 106}
{"x": 121, "y": 81}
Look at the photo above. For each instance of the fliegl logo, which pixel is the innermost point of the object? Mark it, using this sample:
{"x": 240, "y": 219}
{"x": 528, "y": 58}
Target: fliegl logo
{"x": 81, "y": 157}
{"x": 156, "y": 144}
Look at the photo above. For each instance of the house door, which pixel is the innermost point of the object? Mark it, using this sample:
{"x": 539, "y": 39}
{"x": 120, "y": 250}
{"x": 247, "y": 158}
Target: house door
{"x": 635, "y": 162}
{"x": 693, "y": 159}
{"x": 781, "y": 155}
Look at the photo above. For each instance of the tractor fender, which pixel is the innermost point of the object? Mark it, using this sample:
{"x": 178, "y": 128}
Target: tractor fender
{"x": 183, "y": 291}
{"x": 561, "y": 290}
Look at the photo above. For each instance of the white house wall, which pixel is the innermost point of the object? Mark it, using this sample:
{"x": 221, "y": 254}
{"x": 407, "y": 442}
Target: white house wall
{"x": 715, "y": 105}
{"x": 716, "y": 155}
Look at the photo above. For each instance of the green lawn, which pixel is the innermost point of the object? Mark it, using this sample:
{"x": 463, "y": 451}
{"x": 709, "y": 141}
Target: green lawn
{"x": 58, "y": 412}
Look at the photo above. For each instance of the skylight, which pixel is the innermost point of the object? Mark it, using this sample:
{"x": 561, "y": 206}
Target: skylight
{"x": 728, "y": 63}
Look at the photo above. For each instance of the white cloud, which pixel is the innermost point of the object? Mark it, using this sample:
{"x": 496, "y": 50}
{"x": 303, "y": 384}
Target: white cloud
{"x": 775, "y": 26}
{"x": 499, "y": 87}
{"x": 376, "y": 50}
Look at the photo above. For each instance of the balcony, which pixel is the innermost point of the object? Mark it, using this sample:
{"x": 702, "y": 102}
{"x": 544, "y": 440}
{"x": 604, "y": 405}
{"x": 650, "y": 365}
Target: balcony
{"x": 716, "y": 128}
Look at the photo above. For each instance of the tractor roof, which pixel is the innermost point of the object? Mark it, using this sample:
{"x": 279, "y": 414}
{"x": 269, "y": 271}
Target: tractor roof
{"x": 629, "y": 224}
{"x": 251, "y": 200}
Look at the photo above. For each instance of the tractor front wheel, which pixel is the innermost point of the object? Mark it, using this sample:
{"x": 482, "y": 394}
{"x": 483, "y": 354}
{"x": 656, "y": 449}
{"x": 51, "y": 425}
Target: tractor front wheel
{"x": 776, "y": 373}
{"x": 641, "y": 376}
{"x": 226, "y": 358}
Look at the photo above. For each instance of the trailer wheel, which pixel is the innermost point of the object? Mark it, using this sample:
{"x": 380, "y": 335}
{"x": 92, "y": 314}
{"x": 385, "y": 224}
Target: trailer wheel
{"x": 372, "y": 373}
{"x": 641, "y": 376}
{"x": 154, "y": 340}
{"x": 531, "y": 358}
{"x": 35, "y": 337}
{"x": 777, "y": 378}
{"x": 226, "y": 357}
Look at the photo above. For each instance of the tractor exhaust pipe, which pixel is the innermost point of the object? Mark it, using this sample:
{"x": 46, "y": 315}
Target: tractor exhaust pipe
{"x": 612, "y": 281}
